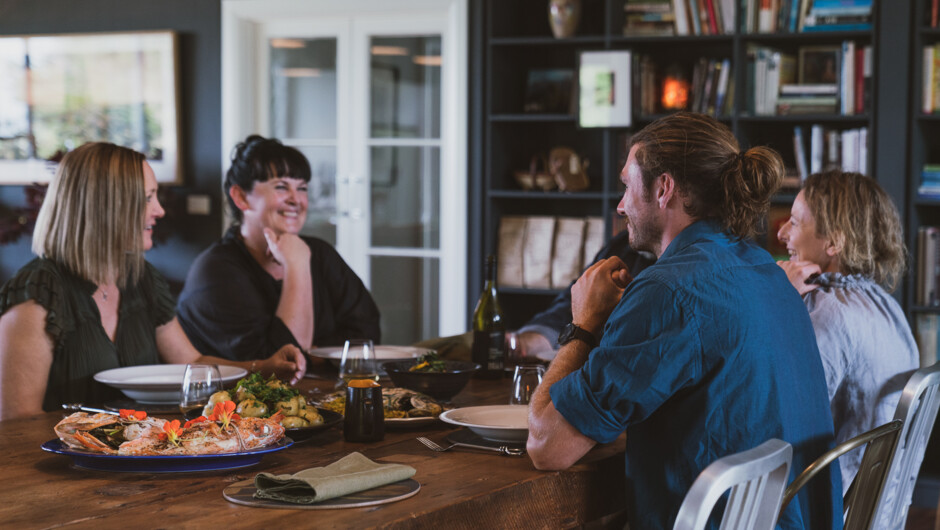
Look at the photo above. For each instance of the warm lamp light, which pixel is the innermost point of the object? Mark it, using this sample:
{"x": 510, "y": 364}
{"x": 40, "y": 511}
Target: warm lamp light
{"x": 675, "y": 90}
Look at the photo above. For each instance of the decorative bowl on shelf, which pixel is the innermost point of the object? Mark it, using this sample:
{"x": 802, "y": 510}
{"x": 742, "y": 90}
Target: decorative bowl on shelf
{"x": 440, "y": 385}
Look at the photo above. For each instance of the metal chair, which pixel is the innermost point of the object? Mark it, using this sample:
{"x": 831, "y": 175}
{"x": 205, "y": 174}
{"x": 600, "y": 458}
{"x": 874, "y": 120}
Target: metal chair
{"x": 861, "y": 499}
{"x": 756, "y": 478}
{"x": 918, "y": 409}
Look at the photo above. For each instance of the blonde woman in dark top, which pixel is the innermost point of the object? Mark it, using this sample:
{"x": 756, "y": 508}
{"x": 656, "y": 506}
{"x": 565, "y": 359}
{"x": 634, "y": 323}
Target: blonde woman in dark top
{"x": 90, "y": 302}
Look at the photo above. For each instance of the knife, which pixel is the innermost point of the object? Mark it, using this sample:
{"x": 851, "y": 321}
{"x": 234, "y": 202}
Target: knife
{"x": 80, "y": 407}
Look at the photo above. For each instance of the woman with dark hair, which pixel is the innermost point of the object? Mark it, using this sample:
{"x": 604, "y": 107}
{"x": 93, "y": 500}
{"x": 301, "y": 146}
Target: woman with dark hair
{"x": 263, "y": 285}
{"x": 90, "y": 302}
{"x": 846, "y": 254}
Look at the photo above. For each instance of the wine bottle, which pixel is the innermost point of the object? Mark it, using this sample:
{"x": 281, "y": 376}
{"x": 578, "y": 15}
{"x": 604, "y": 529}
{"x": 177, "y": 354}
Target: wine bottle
{"x": 489, "y": 332}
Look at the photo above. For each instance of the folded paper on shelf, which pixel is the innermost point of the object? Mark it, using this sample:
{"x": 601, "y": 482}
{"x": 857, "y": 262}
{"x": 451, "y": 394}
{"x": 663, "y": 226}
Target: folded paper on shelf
{"x": 509, "y": 254}
{"x": 537, "y": 252}
{"x": 567, "y": 258}
{"x": 593, "y": 238}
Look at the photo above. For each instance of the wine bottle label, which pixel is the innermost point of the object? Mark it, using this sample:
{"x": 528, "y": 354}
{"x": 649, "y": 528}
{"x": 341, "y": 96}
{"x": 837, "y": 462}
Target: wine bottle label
{"x": 489, "y": 350}
{"x": 497, "y": 350}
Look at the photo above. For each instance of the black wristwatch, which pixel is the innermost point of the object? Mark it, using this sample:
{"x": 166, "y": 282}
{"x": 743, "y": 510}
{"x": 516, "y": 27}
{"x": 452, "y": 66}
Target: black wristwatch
{"x": 572, "y": 332}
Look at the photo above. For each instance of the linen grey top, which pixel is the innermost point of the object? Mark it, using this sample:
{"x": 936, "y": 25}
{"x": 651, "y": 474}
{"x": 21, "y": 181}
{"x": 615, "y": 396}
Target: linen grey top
{"x": 868, "y": 354}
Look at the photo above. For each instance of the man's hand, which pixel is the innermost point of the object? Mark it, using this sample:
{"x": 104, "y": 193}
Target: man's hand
{"x": 597, "y": 292}
{"x": 798, "y": 272}
{"x": 287, "y": 249}
{"x": 288, "y": 364}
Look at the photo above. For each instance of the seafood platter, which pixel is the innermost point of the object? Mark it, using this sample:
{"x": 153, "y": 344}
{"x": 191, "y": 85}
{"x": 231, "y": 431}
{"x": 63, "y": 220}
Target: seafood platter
{"x": 130, "y": 441}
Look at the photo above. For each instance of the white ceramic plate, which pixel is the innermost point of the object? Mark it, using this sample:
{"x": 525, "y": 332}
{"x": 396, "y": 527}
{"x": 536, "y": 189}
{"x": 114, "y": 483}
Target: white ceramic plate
{"x": 157, "y": 383}
{"x": 383, "y": 353}
{"x": 500, "y": 423}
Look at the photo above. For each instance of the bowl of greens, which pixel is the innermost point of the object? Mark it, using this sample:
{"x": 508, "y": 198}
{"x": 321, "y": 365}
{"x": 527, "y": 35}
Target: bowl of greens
{"x": 431, "y": 375}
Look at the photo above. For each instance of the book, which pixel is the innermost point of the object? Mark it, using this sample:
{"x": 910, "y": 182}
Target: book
{"x": 510, "y": 244}
{"x": 567, "y": 251}
{"x": 682, "y": 17}
{"x": 847, "y": 78}
{"x": 726, "y": 7}
{"x": 816, "y": 144}
{"x": 799, "y": 151}
{"x": 927, "y": 85}
{"x": 822, "y": 89}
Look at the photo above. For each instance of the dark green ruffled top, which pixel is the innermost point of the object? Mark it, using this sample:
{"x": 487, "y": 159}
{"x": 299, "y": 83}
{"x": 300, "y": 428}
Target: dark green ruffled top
{"x": 81, "y": 348}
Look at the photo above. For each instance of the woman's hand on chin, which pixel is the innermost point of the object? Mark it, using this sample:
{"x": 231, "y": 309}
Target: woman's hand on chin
{"x": 288, "y": 363}
{"x": 287, "y": 249}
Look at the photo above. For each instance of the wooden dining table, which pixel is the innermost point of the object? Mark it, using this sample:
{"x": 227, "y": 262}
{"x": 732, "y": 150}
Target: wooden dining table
{"x": 458, "y": 489}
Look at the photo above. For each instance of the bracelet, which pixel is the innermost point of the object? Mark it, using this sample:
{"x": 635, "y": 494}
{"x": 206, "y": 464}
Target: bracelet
{"x": 253, "y": 363}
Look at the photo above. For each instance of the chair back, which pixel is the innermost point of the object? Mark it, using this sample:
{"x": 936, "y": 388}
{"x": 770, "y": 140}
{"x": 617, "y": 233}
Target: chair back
{"x": 918, "y": 409}
{"x": 756, "y": 478}
{"x": 860, "y": 501}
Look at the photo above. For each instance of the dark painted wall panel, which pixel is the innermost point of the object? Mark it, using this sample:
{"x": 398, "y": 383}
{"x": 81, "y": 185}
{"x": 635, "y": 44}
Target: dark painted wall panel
{"x": 198, "y": 23}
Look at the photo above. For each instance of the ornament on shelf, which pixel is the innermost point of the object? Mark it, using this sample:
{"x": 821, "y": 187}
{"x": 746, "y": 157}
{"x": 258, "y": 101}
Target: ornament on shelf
{"x": 563, "y": 16}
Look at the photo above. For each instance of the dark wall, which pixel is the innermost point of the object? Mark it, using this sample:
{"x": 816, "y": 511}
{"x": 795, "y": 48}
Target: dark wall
{"x": 198, "y": 24}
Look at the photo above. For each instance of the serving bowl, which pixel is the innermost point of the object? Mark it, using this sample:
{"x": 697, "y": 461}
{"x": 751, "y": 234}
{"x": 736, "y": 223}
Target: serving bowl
{"x": 439, "y": 385}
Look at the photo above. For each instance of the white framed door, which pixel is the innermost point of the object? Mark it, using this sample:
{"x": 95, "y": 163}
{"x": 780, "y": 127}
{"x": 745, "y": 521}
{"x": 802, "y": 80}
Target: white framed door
{"x": 376, "y": 103}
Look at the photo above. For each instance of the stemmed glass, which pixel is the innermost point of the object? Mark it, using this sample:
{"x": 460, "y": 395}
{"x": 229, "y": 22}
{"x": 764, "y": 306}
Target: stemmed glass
{"x": 524, "y": 382}
{"x": 358, "y": 361}
{"x": 200, "y": 381}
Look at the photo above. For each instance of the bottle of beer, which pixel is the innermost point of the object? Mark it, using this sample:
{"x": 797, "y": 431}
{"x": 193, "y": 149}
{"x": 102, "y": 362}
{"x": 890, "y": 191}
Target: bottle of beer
{"x": 489, "y": 332}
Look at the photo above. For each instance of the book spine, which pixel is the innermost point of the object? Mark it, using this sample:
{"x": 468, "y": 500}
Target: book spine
{"x": 682, "y": 17}
{"x": 694, "y": 14}
{"x": 934, "y": 11}
{"x": 926, "y": 98}
{"x": 860, "y": 80}
{"x": 712, "y": 17}
{"x": 848, "y": 78}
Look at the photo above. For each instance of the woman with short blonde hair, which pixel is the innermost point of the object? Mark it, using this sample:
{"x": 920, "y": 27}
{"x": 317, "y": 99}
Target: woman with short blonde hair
{"x": 846, "y": 252}
{"x": 90, "y": 302}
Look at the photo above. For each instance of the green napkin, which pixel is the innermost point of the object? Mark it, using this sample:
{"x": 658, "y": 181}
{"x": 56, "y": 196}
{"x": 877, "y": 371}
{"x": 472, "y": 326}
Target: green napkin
{"x": 350, "y": 474}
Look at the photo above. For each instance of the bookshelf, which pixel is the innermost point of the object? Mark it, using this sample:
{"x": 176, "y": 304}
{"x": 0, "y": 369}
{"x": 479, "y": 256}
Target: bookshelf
{"x": 924, "y": 149}
{"x": 513, "y": 38}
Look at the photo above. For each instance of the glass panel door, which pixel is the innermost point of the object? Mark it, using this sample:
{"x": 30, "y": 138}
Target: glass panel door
{"x": 365, "y": 106}
{"x": 404, "y": 152}
{"x": 302, "y": 113}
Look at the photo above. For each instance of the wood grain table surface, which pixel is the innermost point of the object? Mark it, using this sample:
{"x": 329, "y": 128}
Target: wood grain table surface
{"x": 459, "y": 488}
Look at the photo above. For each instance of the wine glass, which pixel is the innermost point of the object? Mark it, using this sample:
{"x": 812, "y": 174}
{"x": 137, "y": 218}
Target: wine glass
{"x": 358, "y": 361}
{"x": 515, "y": 350}
{"x": 524, "y": 382}
{"x": 200, "y": 381}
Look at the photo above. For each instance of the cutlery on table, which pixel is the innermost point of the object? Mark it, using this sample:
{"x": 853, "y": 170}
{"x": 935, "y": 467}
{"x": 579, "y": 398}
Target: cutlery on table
{"x": 503, "y": 449}
{"x": 80, "y": 407}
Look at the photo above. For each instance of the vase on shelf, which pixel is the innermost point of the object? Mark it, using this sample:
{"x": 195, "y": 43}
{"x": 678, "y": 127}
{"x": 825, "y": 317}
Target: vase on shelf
{"x": 563, "y": 17}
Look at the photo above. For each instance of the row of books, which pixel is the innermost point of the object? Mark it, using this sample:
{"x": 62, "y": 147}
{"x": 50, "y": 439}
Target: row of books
{"x": 708, "y": 88}
{"x": 825, "y": 148}
{"x": 930, "y": 181}
{"x": 930, "y": 91}
{"x": 817, "y": 80}
{"x": 928, "y": 266}
{"x": 544, "y": 252}
{"x": 793, "y": 16}
{"x": 678, "y": 17}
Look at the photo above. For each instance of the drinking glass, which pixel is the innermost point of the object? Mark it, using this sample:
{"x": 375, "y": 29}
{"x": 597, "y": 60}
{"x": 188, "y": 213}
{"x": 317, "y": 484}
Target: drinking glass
{"x": 515, "y": 350}
{"x": 358, "y": 361}
{"x": 200, "y": 381}
{"x": 524, "y": 382}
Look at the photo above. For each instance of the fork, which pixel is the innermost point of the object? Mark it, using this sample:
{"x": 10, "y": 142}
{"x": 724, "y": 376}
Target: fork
{"x": 510, "y": 451}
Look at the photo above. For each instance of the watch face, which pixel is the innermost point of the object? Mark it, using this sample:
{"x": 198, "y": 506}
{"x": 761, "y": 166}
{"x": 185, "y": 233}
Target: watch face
{"x": 567, "y": 334}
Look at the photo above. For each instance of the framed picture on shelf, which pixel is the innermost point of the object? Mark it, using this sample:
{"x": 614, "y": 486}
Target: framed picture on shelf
{"x": 548, "y": 91}
{"x": 112, "y": 87}
{"x": 819, "y": 65}
{"x": 604, "y": 89}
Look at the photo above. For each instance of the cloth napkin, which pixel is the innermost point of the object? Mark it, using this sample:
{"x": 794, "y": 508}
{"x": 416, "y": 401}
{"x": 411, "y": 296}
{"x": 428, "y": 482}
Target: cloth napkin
{"x": 350, "y": 474}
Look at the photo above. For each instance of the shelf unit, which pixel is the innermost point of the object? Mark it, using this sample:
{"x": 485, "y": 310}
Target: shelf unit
{"x": 515, "y": 37}
{"x": 924, "y": 146}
